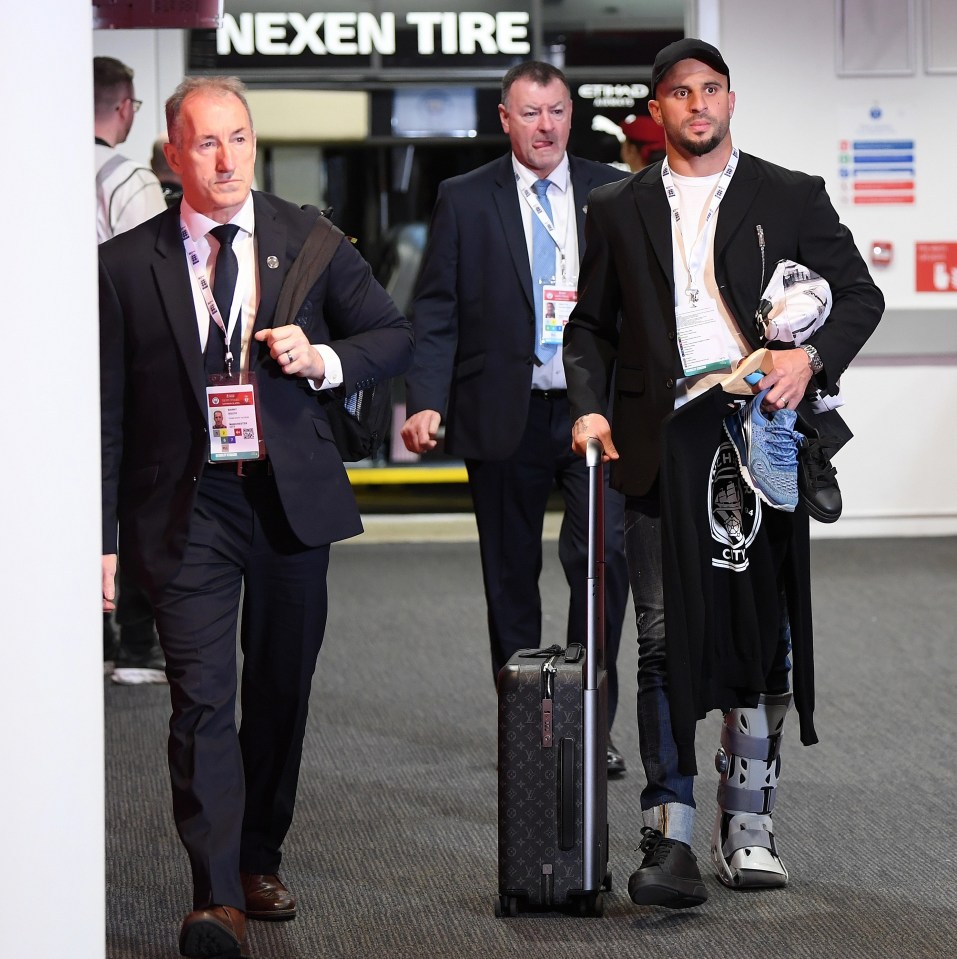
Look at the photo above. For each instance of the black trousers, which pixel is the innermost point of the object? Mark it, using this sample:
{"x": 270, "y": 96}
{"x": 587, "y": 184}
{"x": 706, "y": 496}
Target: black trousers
{"x": 510, "y": 498}
{"x": 234, "y": 790}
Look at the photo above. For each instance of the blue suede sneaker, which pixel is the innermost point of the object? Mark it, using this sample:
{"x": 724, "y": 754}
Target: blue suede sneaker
{"x": 767, "y": 452}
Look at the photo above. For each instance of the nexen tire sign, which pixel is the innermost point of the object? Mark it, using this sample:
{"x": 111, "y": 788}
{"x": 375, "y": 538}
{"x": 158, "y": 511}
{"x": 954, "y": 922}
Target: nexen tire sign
{"x": 363, "y": 34}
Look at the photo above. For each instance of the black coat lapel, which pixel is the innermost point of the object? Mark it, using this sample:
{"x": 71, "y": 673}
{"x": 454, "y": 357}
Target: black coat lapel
{"x": 176, "y": 294}
{"x": 582, "y": 184}
{"x": 273, "y": 259}
{"x": 505, "y": 197}
{"x": 649, "y": 195}
{"x": 738, "y": 200}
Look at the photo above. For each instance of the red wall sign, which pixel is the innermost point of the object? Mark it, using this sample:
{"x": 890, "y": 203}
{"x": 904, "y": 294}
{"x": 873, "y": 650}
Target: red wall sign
{"x": 936, "y": 268}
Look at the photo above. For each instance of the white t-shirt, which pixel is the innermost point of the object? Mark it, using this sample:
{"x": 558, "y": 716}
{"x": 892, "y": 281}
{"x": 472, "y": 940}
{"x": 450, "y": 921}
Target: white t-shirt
{"x": 694, "y": 195}
{"x": 129, "y": 194}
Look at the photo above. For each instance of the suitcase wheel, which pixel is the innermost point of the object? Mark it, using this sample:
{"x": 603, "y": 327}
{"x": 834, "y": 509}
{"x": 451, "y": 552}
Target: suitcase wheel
{"x": 506, "y": 906}
{"x": 592, "y": 905}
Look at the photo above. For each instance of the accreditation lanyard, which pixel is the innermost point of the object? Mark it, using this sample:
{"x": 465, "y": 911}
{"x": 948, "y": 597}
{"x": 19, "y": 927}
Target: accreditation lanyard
{"x": 531, "y": 198}
{"x": 214, "y": 313}
{"x": 695, "y": 260}
{"x": 235, "y": 430}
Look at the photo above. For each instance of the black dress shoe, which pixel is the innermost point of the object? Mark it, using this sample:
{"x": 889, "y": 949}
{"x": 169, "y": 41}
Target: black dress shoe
{"x": 817, "y": 480}
{"x": 267, "y": 897}
{"x": 216, "y": 932}
{"x": 616, "y": 762}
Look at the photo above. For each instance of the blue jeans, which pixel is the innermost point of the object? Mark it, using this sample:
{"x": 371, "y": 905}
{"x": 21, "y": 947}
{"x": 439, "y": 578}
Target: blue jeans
{"x": 659, "y": 754}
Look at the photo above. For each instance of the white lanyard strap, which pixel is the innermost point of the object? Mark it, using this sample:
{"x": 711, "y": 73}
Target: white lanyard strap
{"x": 200, "y": 272}
{"x": 694, "y": 263}
{"x": 537, "y": 210}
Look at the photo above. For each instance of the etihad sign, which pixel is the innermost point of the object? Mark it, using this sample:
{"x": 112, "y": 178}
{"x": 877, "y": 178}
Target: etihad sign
{"x": 614, "y": 94}
{"x": 363, "y": 33}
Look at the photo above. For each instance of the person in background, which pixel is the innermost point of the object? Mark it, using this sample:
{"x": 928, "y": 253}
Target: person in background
{"x": 644, "y": 142}
{"x": 127, "y": 194}
{"x": 489, "y": 365}
{"x": 169, "y": 180}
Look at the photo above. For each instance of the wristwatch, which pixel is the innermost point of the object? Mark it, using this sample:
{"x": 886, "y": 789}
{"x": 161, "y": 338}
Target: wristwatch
{"x": 813, "y": 357}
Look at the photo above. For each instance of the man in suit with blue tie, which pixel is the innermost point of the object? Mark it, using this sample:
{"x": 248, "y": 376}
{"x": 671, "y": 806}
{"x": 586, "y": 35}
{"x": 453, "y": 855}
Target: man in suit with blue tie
{"x": 504, "y": 246}
{"x": 187, "y": 304}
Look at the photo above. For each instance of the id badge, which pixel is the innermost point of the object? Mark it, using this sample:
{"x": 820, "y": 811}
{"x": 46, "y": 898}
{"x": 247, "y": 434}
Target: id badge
{"x": 700, "y": 340}
{"x": 558, "y": 301}
{"x": 235, "y": 432}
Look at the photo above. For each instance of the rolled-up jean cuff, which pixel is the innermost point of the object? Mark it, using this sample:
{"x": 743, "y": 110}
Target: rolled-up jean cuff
{"x": 675, "y": 820}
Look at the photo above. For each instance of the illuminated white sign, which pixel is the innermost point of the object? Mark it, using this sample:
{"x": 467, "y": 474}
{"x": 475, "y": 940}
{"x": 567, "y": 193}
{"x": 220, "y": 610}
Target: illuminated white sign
{"x": 613, "y": 94}
{"x": 363, "y": 33}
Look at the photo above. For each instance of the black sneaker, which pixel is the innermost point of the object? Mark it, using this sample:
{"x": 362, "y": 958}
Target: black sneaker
{"x": 817, "y": 479}
{"x": 668, "y": 875}
{"x": 616, "y": 761}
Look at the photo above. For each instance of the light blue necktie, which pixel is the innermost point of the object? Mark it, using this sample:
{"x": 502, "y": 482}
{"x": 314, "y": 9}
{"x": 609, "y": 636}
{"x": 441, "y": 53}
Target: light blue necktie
{"x": 543, "y": 269}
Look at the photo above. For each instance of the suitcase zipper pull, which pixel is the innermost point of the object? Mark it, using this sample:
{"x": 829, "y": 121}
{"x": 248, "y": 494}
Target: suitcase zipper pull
{"x": 548, "y": 677}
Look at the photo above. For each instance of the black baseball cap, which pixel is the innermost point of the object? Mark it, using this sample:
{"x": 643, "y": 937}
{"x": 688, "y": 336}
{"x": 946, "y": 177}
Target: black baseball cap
{"x": 689, "y": 48}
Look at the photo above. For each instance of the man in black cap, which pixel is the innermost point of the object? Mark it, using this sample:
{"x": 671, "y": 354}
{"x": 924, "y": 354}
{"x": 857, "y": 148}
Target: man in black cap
{"x": 675, "y": 262}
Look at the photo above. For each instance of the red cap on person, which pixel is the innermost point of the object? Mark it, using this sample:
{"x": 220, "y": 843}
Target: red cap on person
{"x": 645, "y": 132}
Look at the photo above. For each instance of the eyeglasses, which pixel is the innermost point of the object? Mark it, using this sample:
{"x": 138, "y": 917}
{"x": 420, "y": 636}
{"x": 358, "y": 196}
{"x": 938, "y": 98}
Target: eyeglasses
{"x": 136, "y": 103}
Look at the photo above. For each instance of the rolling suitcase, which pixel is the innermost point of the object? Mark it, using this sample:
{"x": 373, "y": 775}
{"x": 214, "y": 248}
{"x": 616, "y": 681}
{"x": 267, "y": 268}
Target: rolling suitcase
{"x": 552, "y": 757}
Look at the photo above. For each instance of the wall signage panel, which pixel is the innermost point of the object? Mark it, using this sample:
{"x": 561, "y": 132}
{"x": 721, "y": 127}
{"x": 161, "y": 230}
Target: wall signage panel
{"x": 936, "y": 267}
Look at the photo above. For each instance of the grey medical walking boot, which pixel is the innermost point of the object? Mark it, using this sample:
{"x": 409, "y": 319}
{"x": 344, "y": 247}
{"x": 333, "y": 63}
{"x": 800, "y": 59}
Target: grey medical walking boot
{"x": 743, "y": 847}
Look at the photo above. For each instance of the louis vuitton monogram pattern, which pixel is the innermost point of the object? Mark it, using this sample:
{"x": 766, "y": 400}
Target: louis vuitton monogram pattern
{"x": 532, "y": 863}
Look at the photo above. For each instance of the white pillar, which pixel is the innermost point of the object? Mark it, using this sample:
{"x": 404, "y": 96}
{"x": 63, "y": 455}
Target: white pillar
{"x": 51, "y": 683}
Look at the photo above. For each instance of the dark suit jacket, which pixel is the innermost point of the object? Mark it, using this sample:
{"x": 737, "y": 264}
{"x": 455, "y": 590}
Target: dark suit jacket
{"x": 154, "y": 414}
{"x": 628, "y": 267}
{"x": 474, "y": 313}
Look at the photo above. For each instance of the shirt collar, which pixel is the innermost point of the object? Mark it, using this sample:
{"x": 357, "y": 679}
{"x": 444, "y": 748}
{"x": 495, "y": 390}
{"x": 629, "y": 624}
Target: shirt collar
{"x": 558, "y": 176}
{"x": 199, "y": 224}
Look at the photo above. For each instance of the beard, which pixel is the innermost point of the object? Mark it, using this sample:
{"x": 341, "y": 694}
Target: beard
{"x": 700, "y": 148}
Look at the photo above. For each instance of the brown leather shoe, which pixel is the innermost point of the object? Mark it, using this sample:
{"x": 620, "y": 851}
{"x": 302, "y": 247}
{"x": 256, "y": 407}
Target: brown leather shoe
{"x": 267, "y": 897}
{"x": 216, "y": 932}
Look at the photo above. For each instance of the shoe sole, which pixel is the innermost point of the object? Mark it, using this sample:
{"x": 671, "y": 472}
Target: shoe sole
{"x": 689, "y": 893}
{"x": 817, "y": 514}
{"x": 209, "y": 940}
{"x": 744, "y": 878}
{"x": 744, "y": 470}
{"x": 277, "y": 915}
{"x": 754, "y": 879}
{"x": 137, "y": 676}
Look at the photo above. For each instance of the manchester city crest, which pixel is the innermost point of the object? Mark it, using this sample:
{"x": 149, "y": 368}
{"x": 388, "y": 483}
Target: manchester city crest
{"x": 734, "y": 511}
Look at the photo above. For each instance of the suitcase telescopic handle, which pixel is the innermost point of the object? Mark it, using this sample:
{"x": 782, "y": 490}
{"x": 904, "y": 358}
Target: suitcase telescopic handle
{"x": 595, "y": 646}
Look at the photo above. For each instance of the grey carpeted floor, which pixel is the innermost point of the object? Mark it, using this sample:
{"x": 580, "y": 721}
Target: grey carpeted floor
{"x": 393, "y": 851}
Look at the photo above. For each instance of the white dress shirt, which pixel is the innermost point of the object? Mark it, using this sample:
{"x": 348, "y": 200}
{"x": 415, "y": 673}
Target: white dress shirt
{"x": 246, "y": 296}
{"x": 561, "y": 198}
